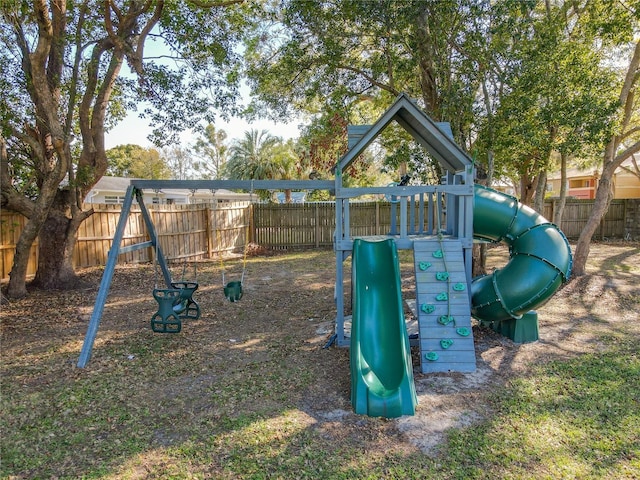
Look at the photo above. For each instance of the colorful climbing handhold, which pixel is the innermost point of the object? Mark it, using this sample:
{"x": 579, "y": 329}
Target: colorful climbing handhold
{"x": 427, "y": 307}
{"x": 446, "y": 343}
{"x": 442, "y": 276}
{"x": 424, "y": 265}
{"x": 459, "y": 287}
{"x": 441, "y": 297}
{"x": 446, "y": 319}
{"x": 463, "y": 331}
{"x": 438, "y": 254}
{"x": 431, "y": 356}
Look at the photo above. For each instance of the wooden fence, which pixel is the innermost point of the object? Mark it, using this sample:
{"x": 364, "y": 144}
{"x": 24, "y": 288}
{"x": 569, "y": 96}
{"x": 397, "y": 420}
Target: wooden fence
{"x": 185, "y": 232}
{"x": 192, "y": 232}
{"x": 311, "y": 225}
{"x": 622, "y": 220}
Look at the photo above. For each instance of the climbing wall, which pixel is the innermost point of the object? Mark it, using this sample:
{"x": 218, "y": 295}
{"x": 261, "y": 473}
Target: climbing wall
{"x": 444, "y": 311}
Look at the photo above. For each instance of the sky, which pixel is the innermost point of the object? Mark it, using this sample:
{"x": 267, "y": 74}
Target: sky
{"x": 135, "y": 130}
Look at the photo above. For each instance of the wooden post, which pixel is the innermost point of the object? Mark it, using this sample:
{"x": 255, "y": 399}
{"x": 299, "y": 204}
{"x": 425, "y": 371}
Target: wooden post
{"x": 316, "y": 230}
{"x": 208, "y": 231}
{"x": 252, "y": 225}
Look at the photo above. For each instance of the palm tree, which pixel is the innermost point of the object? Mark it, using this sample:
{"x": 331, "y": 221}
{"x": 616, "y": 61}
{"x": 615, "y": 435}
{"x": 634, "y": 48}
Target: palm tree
{"x": 261, "y": 156}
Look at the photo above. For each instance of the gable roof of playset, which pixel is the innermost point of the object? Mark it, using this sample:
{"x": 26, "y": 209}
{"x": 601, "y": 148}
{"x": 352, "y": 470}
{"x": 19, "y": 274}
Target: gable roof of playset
{"x": 432, "y": 136}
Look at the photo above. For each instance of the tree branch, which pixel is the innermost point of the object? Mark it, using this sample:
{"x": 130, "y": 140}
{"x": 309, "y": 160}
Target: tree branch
{"x": 155, "y": 18}
{"x": 629, "y": 133}
{"x": 11, "y": 198}
{"x": 369, "y": 79}
{"x": 631, "y": 77}
{"x": 626, "y": 153}
{"x": 90, "y": 88}
{"x": 56, "y": 52}
{"x": 223, "y": 3}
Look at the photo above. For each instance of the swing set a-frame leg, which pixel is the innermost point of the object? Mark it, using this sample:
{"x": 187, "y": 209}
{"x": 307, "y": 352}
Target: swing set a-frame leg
{"x": 112, "y": 260}
{"x": 107, "y": 276}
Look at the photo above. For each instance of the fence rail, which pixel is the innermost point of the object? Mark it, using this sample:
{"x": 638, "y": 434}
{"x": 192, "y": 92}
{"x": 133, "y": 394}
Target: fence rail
{"x": 193, "y": 232}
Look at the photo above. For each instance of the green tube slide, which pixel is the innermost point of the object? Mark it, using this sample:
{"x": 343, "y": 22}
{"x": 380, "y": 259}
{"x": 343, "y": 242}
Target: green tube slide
{"x": 539, "y": 257}
{"x": 381, "y": 369}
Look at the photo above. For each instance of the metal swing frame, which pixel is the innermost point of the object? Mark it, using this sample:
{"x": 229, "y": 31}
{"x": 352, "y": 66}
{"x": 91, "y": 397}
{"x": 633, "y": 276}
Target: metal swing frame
{"x": 134, "y": 191}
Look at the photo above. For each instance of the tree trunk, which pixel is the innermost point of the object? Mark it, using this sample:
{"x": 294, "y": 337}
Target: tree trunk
{"x": 479, "y": 250}
{"x": 37, "y": 215}
{"x": 57, "y": 241}
{"x": 427, "y": 65}
{"x": 612, "y": 160}
{"x": 527, "y": 189}
{"x": 558, "y": 211}
{"x": 478, "y": 259}
{"x": 604, "y": 194}
{"x": 17, "y": 287}
{"x": 538, "y": 203}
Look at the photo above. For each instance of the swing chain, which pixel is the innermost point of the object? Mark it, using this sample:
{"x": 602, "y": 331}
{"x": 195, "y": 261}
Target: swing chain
{"x": 247, "y": 235}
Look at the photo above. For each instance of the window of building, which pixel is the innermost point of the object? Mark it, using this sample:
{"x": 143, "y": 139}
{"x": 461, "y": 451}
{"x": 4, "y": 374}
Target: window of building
{"x": 113, "y": 199}
{"x": 579, "y": 183}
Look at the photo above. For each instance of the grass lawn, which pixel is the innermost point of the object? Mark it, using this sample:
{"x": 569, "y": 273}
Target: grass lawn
{"x": 248, "y": 391}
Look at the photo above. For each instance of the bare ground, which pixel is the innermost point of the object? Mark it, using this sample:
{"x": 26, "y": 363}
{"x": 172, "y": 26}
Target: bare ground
{"x": 279, "y": 329}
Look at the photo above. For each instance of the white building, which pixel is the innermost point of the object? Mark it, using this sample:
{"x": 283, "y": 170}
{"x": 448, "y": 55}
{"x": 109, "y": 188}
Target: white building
{"x": 111, "y": 190}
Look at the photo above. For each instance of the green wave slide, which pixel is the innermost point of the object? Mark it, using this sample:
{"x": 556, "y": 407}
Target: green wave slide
{"x": 380, "y": 355}
{"x": 381, "y": 368}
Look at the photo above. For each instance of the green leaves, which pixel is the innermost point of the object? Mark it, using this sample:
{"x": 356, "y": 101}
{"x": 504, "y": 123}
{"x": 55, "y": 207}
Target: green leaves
{"x": 137, "y": 162}
{"x": 259, "y": 156}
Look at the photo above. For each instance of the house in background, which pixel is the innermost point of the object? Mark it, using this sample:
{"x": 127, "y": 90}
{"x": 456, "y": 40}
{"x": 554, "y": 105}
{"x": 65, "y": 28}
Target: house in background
{"x": 296, "y": 197}
{"x": 504, "y": 186}
{"x": 583, "y": 183}
{"x": 111, "y": 190}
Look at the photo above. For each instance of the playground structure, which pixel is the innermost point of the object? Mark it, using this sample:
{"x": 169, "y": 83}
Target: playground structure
{"x": 439, "y": 224}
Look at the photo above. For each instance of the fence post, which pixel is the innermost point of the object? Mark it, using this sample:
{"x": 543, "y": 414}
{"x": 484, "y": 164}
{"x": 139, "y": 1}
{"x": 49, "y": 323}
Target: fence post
{"x": 252, "y": 224}
{"x": 207, "y": 227}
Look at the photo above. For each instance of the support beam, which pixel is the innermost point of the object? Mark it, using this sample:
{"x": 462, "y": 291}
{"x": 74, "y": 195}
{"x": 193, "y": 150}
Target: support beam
{"x": 248, "y": 185}
{"x": 112, "y": 260}
{"x": 155, "y": 241}
{"x": 107, "y": 276}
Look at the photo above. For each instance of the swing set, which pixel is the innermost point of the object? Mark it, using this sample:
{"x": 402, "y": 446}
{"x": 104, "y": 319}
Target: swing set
{"x": 176, "y": 303}
{"x": 175, "y": 299}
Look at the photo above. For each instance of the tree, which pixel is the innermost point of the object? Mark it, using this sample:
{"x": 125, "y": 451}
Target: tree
{"x": 262, "y": 156}
{"x": 70, "y": 84}
{"x": 624, "y": 143}
{"x": 333, "y": 55}
{"x": 179, "y": 161}
{"x": 249, "y": 156}
{"x": 135, "y": 161}
{"x": 556, "y": 99}
{"x": 212, "y": 153}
